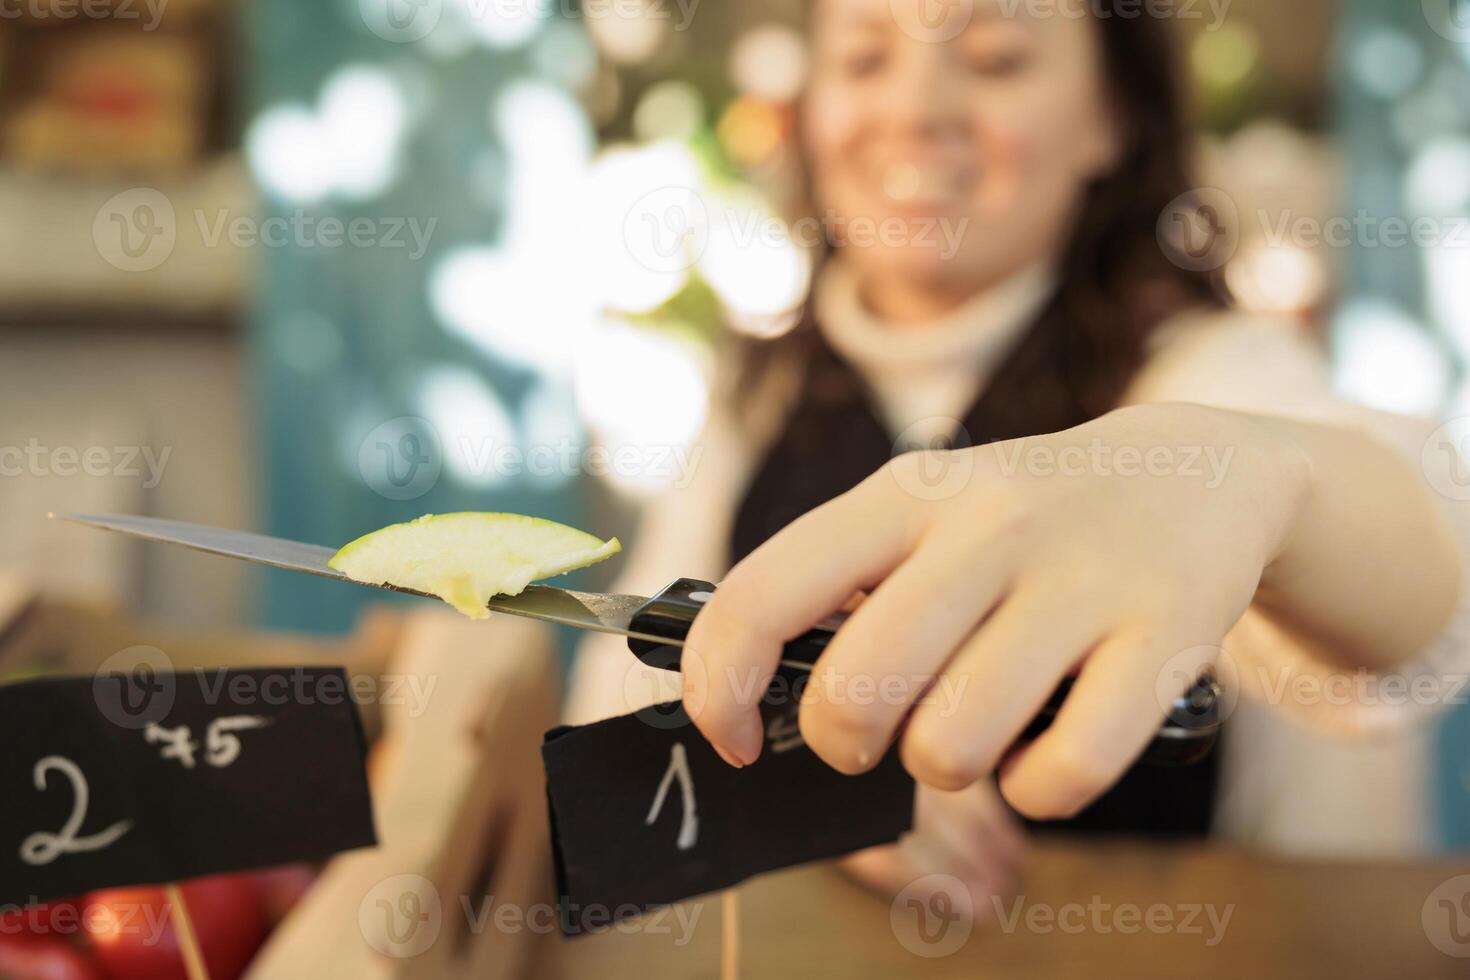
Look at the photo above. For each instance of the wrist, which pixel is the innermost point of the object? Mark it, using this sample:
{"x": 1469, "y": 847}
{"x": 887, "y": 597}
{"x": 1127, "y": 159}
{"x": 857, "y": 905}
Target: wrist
{"x": 1269, "y": 466}
{"x": 1293, "y": 479}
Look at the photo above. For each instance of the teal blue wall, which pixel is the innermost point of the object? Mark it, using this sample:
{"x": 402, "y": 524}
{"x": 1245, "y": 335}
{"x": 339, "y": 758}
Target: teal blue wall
{"x": 343, "y": 338}
{"x": 1404, "y": 68}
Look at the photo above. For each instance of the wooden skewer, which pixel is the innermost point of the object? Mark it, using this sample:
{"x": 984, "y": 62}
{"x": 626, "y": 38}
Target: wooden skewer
{"x": 188, "y": 939}
{"x": 730, "y": 945}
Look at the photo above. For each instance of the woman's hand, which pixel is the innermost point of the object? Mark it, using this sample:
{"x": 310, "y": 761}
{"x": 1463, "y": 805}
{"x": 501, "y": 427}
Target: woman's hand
{"x": 968, "y": 835}
{"x": 1122, "y": 547}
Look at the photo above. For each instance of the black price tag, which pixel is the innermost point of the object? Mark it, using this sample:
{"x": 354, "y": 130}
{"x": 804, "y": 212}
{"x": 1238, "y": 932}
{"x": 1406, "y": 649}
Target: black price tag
{"x": 644, "y": 812}
{"x": 153, "y": 777}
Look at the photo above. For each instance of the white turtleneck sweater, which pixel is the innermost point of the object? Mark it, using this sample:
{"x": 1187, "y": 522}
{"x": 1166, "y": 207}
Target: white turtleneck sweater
{"x": 927, "y": 375}
{"x": 1295, "y": 776}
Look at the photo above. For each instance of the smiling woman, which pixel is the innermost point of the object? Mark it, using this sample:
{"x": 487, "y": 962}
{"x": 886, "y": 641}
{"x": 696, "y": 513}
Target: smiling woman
{"x": 1100, "y": 528}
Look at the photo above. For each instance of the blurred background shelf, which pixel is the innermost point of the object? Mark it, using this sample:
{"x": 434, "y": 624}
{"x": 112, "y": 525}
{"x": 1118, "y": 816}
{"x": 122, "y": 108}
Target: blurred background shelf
{"x": 59, "y": 261}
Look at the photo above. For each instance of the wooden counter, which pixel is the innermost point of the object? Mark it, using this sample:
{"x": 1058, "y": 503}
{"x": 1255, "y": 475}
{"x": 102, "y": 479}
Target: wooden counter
{"x": 1286, "y": 919}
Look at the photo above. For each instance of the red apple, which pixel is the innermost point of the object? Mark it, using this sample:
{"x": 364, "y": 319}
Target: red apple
{"x": 24, "y": 957}
{"x": 59, "y": 918}
{"x": 134, "y": 937}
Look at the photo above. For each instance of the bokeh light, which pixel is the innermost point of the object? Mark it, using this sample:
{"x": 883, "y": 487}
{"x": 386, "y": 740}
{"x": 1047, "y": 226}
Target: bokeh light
{"x": 751, "y": 261}
{"x": 1387, "y": 360}
{"x": 1438, "y": 179}
{"x": 565, "y": 55}
{"x": 641, "y": 390}
{"x": 549, "y": 144}
{"x": 1387, "y": 63}
{"x": 1282, "y": 279}
{"x": 769, "y": 62}
{"x": 348, "y": 146}
{"x": 643, "y": 220}
{"x": 669, "y": 110}
{"x": 363, "y": 117}
{"x": 1447, "y": 275}
{"x": 499, "y": 25}
{"x": 472, "y": 423}
{"x": 1224, "y": 58}
{"x": 514, "y": 305}
{"x": 631, "y": 31}
{"x": 751, "y": 131}
{"x": 289, "y": 154}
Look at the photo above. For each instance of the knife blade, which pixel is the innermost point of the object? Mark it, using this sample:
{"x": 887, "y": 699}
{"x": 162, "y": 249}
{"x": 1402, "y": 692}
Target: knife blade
{"x": 600, "y": 612}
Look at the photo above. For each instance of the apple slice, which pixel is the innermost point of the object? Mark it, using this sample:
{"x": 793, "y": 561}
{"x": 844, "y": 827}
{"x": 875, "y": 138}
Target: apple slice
{"x": 467, "y": 558}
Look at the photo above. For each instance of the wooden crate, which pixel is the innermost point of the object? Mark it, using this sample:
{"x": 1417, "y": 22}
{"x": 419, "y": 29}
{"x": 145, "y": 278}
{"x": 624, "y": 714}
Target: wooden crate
{"x": 461, "y": 808}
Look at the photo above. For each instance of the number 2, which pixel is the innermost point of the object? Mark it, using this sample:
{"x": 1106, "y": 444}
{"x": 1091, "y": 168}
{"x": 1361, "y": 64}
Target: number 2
{"x": 43, "y": 848}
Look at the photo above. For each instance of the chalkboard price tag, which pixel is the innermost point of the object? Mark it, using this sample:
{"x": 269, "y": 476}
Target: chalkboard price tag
{"x": 644, "y": 813}
{"x": 126, "y": 779}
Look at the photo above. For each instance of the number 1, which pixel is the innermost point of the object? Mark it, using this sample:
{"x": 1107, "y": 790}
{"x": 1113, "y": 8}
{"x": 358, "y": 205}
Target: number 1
{"x": 678, "y": 768}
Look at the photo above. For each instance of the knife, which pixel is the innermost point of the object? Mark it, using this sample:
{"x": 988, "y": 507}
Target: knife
{"x": 655, "y": 627}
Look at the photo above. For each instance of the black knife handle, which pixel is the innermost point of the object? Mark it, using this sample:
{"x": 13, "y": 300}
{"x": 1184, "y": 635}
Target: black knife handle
{"x": 1187, "y": 736}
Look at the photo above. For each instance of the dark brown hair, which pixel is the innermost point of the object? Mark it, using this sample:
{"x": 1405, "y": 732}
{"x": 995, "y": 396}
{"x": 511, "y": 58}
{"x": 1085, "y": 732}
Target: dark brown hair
{"x": 1117, "y": 282}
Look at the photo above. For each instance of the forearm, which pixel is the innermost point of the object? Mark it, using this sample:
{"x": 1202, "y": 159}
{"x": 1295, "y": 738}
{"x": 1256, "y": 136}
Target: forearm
{"x": 1368, "y": 572}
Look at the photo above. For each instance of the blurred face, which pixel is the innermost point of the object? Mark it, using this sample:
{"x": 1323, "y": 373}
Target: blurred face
{"x": 949, "y": 157}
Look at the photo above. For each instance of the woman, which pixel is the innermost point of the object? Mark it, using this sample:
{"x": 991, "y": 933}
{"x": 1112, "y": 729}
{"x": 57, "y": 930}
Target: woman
{"x": 1057, "y": 331}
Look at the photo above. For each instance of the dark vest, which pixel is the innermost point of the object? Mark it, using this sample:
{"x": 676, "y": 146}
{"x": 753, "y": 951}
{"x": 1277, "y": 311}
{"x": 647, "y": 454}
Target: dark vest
{"x": 833, "y": 440}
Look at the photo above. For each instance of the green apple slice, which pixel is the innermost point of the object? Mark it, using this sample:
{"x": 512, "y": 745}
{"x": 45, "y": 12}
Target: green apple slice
{"x": 467, "y": 558}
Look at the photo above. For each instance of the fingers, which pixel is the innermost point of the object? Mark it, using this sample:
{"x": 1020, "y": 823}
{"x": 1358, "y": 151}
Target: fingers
{"x": 795, "y": 579}
{"x": 994, "y": 687}
{"x": 1109, "y": 718}
{"x": 882, "y": 660}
